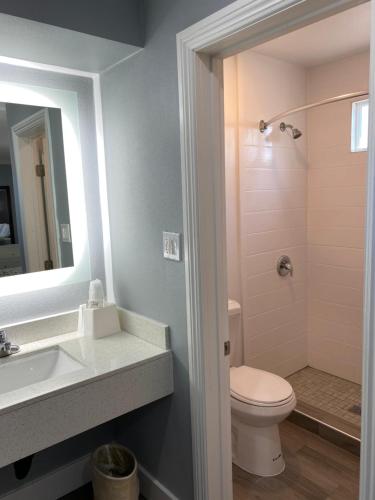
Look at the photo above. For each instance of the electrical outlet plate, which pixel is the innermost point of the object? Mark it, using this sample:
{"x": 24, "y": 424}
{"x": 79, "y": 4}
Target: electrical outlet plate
{"x": 172, "y": 246}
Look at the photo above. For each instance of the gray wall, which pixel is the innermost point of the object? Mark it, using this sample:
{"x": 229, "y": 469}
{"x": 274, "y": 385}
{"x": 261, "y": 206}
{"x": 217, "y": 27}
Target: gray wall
{"x": 18, "y": 112}
{"x": 141, "y": 123}
{"x": 120, "y": 20}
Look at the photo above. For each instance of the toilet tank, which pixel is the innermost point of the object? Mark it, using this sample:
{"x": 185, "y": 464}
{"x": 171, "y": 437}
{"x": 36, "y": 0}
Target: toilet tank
{"x": 235, "y": 333}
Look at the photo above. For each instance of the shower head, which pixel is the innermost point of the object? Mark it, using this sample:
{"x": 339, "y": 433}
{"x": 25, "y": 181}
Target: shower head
{"x": 295, "y": 132}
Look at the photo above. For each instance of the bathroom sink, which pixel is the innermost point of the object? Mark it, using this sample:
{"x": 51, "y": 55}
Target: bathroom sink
{"x": 21, "y": 371}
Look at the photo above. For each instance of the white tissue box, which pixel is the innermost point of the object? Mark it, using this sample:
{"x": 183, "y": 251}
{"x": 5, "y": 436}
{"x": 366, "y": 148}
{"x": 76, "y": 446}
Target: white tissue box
{"x": 99, "y": 322}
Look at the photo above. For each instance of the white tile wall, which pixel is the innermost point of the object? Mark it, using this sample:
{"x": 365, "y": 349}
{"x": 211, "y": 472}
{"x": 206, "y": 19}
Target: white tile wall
{"x": 272, "y": 193}
{"x": 232, "y": 177}
{"x": 336, "y": 214}
{"x": 302, "y": 198}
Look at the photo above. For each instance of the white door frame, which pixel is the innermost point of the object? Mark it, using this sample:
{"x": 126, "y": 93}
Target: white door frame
{"x": 200, "y": 49}
{"x": 28, "y": 128}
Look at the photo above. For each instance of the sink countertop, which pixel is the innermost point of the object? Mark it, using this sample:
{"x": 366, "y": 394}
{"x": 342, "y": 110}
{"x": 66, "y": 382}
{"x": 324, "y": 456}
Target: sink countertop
{"x": 101, "y": 358}
{"x": 120, "y": 373}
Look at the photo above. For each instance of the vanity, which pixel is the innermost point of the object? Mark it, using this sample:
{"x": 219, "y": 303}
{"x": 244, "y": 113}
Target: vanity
{"x": 53, "y": 243}
{"x": 59, "y": 386}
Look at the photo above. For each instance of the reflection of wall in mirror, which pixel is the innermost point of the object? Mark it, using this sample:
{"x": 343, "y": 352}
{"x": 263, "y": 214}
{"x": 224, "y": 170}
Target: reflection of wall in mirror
{"x": 10, "y": 259}
{"x": 7, "y": 201}
{"x": 6, "y": 217}
{"x": 60, "y": 182}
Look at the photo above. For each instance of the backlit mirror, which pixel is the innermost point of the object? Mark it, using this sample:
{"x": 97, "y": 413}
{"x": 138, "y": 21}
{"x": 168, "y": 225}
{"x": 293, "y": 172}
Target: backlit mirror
{"x": 35, "y": 226}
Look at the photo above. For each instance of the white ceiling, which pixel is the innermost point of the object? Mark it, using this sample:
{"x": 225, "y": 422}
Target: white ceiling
{"x": 332, "y": 38}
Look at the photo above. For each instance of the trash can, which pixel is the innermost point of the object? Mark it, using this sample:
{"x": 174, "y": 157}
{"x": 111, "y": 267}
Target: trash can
{"x": 115, "y": 473}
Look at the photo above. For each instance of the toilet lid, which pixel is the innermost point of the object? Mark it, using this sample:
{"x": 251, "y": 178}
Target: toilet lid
{"x": 251, "y": 385}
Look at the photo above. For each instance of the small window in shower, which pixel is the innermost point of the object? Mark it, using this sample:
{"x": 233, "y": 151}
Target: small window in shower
{"x": 359, "y": 126}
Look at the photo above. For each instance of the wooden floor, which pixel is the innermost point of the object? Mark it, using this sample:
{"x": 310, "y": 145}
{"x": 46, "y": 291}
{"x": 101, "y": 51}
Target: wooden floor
{"x": 315, "y": 470}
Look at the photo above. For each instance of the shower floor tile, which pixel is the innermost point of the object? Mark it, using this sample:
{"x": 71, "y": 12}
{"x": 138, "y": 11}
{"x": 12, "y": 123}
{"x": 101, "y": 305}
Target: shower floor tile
{"x": 330, "y": 399}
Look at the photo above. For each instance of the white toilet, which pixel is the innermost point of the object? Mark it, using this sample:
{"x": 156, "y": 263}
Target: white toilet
{"x": 259, "y": 401}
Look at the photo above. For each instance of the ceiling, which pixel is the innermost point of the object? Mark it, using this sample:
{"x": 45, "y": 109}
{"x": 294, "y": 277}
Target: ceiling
{"x": 324, "y": 41}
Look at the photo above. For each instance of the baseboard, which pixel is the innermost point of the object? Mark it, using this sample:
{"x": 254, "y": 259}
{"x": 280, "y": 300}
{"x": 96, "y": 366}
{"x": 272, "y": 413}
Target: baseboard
{"x": 56, "y": 484}
{"x": 151, "y": 488}
{"x": 70, "y": 477}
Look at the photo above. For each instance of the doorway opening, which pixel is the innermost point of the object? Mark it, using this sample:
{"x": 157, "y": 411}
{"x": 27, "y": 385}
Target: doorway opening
{"x": 201, "y": 50}
{"x": 296, "y": 127}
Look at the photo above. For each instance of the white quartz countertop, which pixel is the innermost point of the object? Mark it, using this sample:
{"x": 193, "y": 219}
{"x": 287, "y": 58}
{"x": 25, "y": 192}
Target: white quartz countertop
{"x": 100, "y": 358}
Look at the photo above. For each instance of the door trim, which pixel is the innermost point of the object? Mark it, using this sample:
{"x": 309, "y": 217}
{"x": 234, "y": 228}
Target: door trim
{"x": 200, "y": 49}
{"x": 29, "y": 127}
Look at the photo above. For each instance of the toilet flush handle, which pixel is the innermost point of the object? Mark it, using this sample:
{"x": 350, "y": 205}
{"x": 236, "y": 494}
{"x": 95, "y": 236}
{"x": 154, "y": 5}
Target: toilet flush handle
{"x": 284, "y": 266}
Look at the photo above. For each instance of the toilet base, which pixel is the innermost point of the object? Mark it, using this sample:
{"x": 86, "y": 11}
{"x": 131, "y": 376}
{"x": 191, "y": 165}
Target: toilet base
{"x": 257, "y": 449}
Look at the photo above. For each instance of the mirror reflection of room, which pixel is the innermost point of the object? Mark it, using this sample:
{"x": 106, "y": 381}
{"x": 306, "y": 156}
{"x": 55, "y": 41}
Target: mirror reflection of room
{"x": 35, "y": 232}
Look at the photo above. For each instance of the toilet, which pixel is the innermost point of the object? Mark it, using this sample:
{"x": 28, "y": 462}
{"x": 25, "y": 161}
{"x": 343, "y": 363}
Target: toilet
{"x": 259, "y": 402}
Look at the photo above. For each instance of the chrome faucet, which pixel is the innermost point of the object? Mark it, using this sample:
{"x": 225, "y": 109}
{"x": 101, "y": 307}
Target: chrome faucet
{"x": 6, "y": 347}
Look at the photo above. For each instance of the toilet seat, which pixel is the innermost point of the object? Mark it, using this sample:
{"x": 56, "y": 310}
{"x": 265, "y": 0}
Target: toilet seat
{"x": 259, "y": 388}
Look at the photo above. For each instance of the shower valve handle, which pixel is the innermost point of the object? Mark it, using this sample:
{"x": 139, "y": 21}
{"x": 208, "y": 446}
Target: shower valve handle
{"x": 284, "y": 266}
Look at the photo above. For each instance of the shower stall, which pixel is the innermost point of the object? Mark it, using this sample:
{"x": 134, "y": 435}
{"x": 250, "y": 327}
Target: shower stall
{"x": 296, "y": 154}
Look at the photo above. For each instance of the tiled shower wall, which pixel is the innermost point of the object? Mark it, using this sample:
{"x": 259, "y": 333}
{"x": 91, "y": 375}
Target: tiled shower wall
{"x": 304, "y": 198}
{"x": 232, "y": 179}
{"x": 336, "y": 216}
{"x": 271, "y": 213}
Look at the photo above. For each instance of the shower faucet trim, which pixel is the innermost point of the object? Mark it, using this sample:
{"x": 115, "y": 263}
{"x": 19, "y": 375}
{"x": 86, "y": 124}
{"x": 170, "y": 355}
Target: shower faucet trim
{"x": 284, "y": 266}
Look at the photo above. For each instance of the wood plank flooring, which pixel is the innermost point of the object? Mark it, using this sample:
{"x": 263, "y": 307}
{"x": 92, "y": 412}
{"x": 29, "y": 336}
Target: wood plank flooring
{"x": 315, "y": 470}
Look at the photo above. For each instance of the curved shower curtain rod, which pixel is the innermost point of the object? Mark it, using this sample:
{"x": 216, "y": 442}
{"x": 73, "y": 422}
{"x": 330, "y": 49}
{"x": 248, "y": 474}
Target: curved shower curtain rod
{"x": 264, "y": 124}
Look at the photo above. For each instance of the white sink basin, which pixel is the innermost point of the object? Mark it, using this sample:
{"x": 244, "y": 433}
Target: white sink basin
{"x": 20, "y": 371}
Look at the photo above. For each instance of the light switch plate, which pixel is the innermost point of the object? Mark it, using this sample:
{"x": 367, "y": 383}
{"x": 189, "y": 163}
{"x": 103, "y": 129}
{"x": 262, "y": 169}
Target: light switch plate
{"x": 172, "y": 246}
{"x": 65, "y": 233}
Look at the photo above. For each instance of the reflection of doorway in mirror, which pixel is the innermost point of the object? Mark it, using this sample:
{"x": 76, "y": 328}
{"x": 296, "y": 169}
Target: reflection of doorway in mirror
{"x": 37, "y": 199}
